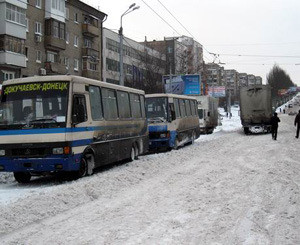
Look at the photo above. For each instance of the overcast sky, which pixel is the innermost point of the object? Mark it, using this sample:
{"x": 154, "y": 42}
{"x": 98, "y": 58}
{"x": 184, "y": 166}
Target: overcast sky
{"x": 251, "y": 28}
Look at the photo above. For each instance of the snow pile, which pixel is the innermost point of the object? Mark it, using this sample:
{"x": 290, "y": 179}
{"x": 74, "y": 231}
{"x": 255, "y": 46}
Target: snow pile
{"x": 6, "y": 178}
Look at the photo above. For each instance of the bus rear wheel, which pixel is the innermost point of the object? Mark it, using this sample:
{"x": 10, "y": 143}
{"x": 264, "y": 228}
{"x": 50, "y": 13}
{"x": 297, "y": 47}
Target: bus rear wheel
{"x": 176, "y": 144}
{"x": 22, "y": 177}
{"x": 193, "y": 138}
{"x": 132, "y": 154}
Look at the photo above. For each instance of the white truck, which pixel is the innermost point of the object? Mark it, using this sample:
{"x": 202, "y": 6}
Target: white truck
{"x": 208, "y": 113}
{"x": 256, "y": 108}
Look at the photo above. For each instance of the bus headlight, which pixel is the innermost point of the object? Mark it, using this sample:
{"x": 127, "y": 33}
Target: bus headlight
{"x": 2, "y": 152}
{"x": 58, "y": 151}
{"x": 62, "y": 150}
{"x": 165, "y": 135}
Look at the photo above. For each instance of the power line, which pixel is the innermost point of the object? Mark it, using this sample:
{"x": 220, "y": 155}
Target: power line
{"x": 161, "y": 17}
{"x": 175, "y": 18}
{"x": 263, "y": 56}
{"x": 255, "y": 44}
{"x": 178, "y": 22}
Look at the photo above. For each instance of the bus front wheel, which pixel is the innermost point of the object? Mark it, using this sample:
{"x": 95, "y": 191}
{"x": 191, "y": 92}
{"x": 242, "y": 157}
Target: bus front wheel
{"x": 22, "y": 177}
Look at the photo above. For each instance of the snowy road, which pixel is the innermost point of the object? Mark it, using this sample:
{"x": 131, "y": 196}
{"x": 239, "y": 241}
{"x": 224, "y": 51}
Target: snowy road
{"x": 227, "y": 188}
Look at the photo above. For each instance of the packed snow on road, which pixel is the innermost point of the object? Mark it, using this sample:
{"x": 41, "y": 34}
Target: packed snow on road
{"x": 227, "y": 188}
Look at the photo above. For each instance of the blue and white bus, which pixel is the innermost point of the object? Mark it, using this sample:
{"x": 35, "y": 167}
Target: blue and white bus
{"x": 68, "y": 124}
{"x": 172, "y": 120}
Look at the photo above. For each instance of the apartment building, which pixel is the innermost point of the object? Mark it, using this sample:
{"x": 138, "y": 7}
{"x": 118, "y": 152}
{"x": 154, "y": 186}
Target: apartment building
{"x": 214, "y": 74}
{"x": 47, "y": 37}
{"x": 12, "y": 38}
{"x": 231, "y": 82}
{"x": 143, "y": 66}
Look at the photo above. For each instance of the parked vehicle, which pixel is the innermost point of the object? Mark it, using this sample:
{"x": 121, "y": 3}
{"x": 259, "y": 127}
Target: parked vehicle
{"x": 172, "y": 119}
{"x": 256, "y": 108}
{"x": 69, "y": 124}
{"x": 208, "y": 113}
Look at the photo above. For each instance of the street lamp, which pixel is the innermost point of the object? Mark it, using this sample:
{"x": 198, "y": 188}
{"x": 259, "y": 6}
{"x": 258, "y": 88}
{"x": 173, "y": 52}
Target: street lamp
{"x": 131, "y": 8}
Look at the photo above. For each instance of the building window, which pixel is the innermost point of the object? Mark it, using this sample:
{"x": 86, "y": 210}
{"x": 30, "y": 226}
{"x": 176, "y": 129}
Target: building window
{"x": 27, "y": 25}
{"x": 55, "y": 28}
{"x": 7, "y": 75}
{"x": 67, "y": 37}
{"x": 52, "y": 57}
{"x": 76, "y": 17}
{"x": 12, "y": 44}
{"x": 76, "y": 41}
{"x": 67, "y": 62}
{"x": 76, "y": 64}
{"x": 38, "y": 28}
{"x": 88, "y": 43}
{"x": 15, "y": 14}
{"x": 58, "y": 5}
{"x": 112, "y": 65}
{"x": 38, "y": 3}
{"x": 38, "y": 56}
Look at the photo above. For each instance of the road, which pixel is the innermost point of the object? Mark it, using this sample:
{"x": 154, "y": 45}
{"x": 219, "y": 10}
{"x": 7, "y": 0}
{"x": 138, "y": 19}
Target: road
{"x": 227, "y": 188}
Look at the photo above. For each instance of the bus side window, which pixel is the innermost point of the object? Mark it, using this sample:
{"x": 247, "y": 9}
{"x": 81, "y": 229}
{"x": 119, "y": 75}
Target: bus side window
{"x": 96, "y": 104}
{"x": 172, "y": 115}
{"x": 123, "y": 105}
{"x": 135, "y": 106}
{"x": 79, "y": 114}
{"x": 109, "y": 100}
{"x": 177, "y": 109}
{"x": 142, "y": 99}
{"x": 188, "y": 108}
{"x": 182, "y": 108}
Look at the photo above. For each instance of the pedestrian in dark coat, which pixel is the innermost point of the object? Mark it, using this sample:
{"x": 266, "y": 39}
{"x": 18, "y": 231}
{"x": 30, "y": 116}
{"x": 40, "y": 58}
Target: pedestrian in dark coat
{"x": 274, "y": 123}
{"x": 297, "y": 123}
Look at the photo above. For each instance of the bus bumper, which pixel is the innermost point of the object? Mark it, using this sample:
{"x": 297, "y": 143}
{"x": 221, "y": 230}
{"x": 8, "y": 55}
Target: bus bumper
{"x": 159, "y": 143}
{"x": 47, "y": 164}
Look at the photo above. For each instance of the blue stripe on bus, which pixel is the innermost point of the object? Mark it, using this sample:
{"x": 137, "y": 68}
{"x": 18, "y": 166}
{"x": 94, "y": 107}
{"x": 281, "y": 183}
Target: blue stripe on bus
{"x": 83, "y": 142}
{"x": 158, "y": 128}
{"x": 61, "y": 130}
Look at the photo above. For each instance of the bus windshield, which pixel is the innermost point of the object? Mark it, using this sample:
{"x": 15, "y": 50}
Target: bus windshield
{"x": 156, "y": 109}
{"x": 34, "y": 105}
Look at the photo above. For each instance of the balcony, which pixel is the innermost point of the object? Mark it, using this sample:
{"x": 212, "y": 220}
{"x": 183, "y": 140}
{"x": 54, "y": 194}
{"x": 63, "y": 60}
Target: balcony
{"x": 55, "y": 43}
{"x": 90, "y": 52}
{"x": 53, "y": 68}
{"x": 91, "y": 74}
{"x": 90, "y": 30}
{"x": 12, "y": 59}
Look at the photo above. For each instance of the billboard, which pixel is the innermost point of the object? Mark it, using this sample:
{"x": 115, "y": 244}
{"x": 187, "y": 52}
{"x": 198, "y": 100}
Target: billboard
{"x": 182, "y": 84}
{"x": 217, "y": 91}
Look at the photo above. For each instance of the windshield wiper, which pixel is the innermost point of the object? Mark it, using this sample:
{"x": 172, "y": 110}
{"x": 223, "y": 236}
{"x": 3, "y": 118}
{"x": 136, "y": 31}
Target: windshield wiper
{"x": 157, "y": 119}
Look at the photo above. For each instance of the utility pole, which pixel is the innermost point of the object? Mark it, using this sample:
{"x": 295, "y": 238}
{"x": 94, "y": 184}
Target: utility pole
{"x": 129, "y": 10}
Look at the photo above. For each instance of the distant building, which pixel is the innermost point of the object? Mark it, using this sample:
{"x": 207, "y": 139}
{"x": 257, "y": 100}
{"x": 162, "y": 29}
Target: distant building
{"x": 50, "y": 37}
{"x": 184, "y": 55}
{"x": 214, "y": 74}
{"x": 143, "y": 66}
{"x": 231, "y": 83}
{"x": 258, "y": 80}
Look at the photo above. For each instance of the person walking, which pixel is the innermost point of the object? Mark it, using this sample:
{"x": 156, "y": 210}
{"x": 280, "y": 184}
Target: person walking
{"x": 274, "y": 125}
{"x": 297, "y": 123}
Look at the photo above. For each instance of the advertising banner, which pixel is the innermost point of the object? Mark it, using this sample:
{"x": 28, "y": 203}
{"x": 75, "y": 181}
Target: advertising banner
{"x": 217, "y": 91}
{"x": 182, "y": 84}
